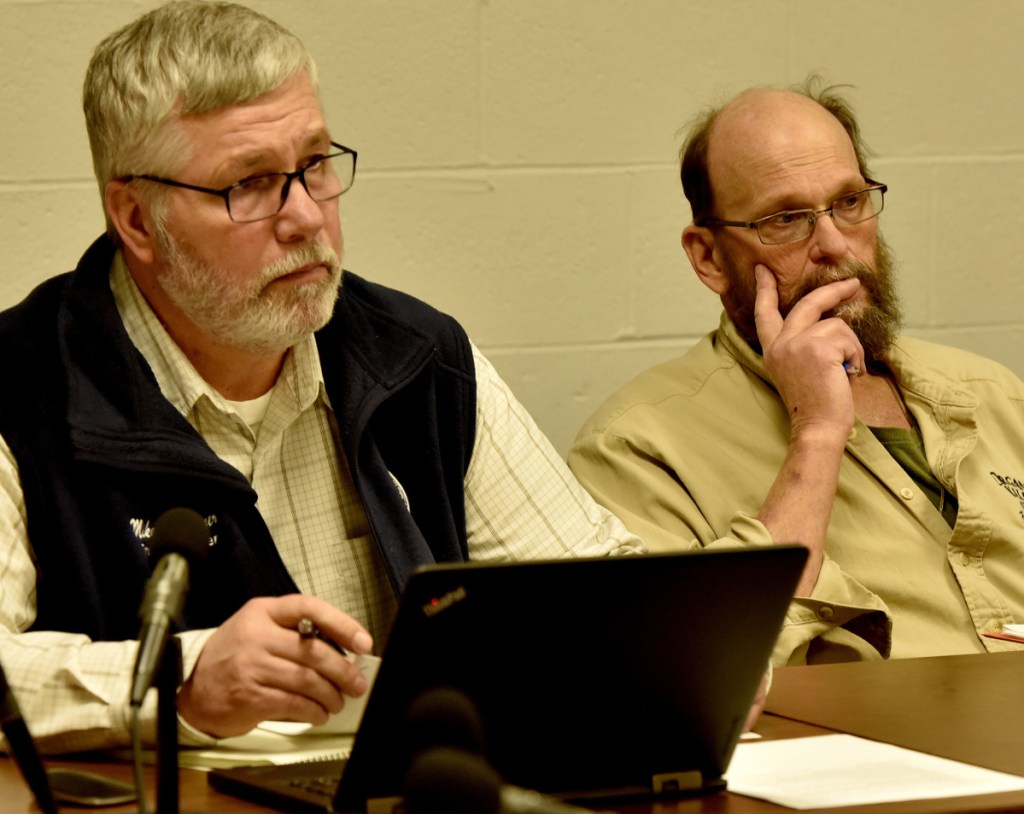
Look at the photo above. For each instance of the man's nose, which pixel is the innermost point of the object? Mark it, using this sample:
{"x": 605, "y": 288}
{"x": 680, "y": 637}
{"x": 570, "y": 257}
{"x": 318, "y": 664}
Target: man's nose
{"x": 301, "y": 217}
{"x": 828, "y": 242}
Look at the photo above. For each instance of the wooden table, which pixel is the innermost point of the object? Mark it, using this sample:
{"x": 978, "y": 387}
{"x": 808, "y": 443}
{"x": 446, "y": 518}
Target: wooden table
{"x": 960, "y": 707}
{"x": 967, "y": 708}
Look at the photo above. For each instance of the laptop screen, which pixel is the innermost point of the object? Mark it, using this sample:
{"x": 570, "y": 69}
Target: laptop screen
{"x": 593, "y": 677}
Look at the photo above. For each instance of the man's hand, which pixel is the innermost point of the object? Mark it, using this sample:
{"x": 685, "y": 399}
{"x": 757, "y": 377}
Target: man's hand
{"x": 804, "y": 354}
{"x": 757, "y": 707}
{"x": 257, "y": 667}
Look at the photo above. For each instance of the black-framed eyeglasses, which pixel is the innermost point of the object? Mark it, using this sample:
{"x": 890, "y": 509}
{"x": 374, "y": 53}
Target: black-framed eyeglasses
{"x": 324, "y": 178}
{"x": 798, "y": 224}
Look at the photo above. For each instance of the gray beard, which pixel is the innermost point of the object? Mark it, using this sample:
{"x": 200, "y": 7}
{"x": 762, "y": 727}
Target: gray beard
{"x": 251, "y": 316}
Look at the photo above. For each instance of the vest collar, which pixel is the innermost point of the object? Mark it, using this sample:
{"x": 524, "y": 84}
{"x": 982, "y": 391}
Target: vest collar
{"x": 118, "y": 415}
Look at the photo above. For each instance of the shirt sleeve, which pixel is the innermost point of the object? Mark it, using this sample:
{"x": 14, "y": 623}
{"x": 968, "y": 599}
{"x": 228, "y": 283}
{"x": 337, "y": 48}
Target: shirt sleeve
{"x": 522, "y": 502}
{"x": 643, "y": 491}
{"x": 72, "y": 691}
{"x": 841, "y": 620}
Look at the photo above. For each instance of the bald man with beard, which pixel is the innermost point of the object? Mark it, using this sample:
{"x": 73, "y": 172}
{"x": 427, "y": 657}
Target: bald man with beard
{"x": 806, "y": 417}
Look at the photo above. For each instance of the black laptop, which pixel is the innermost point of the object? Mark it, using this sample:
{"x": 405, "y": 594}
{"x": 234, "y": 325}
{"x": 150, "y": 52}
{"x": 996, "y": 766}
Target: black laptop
{"x": 594, "y": 678}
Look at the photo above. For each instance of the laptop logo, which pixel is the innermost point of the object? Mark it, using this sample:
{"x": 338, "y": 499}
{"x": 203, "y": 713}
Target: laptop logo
{"x": 443, "y": 602}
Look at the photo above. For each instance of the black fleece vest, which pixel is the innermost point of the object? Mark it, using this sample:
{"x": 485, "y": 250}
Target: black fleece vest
{"x": 101, "y": 453}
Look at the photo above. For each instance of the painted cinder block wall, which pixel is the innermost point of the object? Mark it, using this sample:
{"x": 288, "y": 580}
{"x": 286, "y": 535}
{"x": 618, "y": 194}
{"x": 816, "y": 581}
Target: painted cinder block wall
{"x": 517, "y": 159}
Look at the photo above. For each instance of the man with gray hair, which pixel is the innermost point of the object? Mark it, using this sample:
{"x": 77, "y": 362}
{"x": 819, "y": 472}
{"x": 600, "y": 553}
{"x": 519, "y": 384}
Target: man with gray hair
{"x": 805, "y": 417}
{"x": 209, "y": 352}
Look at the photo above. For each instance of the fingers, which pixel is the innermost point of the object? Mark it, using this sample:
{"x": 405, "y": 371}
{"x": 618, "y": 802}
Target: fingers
{"x": 810, "y": 310}
{"x": 806, "y": 318}
{"x": 806, "y": 311}
{"x": 757, "y": 707}
{"x": 811, "y": 307}
{"x": 256, "y": 666}
{"x": 337, "y": 627}
{"x": 313, "y": 661}
{"x": 767, "y": 318}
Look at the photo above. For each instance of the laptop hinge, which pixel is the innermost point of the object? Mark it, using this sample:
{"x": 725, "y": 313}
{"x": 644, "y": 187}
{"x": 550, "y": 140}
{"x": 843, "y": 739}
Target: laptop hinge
{"x": 383, "y": 805}
{"x": 670, "y": 782}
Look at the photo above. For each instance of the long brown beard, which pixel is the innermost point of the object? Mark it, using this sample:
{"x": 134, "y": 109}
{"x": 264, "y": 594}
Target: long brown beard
{"x": 876, "y": 323}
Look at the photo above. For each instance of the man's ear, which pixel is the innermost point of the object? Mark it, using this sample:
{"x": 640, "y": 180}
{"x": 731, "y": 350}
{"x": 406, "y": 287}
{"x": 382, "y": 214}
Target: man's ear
{"x": 129, "y": 213}
{"x": 699, "y": 245}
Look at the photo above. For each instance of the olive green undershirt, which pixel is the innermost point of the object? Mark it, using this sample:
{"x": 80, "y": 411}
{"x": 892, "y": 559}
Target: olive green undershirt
{"x": 907, "y": 447}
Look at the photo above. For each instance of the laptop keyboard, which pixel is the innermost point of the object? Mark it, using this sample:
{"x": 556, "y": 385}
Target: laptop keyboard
{"x": 304, "y": 788}
{"x": 322, "y": 786}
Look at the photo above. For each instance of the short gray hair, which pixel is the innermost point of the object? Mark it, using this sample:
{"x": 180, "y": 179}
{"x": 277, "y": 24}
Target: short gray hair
{"x": 185, "y": 57}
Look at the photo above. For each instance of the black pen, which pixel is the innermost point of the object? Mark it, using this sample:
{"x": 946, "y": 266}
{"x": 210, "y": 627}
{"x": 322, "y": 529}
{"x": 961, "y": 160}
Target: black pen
{"x": 308, "y": 630}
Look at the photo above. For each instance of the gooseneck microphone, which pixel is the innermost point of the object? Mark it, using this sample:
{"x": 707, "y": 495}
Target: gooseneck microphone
{"x": 443, "y": 716}
{"x": 23, "y": 748}
{"x": 180, "y": 538}
{"x": 447, "y": 770}
{"x": 444, "y": 779}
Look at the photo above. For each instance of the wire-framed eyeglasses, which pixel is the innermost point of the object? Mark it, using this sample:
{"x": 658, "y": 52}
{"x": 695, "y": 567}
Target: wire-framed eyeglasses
{"x": 262, "y": 196}
{"x": 797, "y": 224}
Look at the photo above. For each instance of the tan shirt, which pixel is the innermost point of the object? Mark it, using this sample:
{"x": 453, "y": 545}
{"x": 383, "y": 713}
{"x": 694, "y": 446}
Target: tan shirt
{"x": 521, "y": 503}
{"x": 685, "y": 455}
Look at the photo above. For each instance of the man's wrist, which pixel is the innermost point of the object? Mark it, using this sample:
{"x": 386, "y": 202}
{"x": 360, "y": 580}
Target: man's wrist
{"x": 819, "y": 438}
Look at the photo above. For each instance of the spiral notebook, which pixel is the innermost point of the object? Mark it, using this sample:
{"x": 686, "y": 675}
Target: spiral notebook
{"x": 595, "y": 678}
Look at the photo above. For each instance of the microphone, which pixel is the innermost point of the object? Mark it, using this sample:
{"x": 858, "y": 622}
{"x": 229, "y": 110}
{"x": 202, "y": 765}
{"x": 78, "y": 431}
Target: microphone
{"x": 23, "y": 748}
{"x": 444, "y": 779}
{"x": 180, "y": 536}
{"x": 443, "y": 716}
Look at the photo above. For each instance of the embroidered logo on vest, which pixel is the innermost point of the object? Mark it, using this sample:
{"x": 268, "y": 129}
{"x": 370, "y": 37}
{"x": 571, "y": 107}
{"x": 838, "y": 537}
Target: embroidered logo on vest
{"x": 1014, "y": 487}
{"x": 142, "y": 528}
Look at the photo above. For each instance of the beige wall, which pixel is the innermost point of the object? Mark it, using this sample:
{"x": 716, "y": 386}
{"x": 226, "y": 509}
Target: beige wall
{"x": 517, "y": 159}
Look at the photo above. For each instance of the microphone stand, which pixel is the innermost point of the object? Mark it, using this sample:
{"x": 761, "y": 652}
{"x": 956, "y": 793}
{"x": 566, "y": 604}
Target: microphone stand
{"x": 168, "y": 679}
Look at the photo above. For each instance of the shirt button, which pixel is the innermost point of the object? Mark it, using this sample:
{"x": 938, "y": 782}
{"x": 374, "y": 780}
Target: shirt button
{"x": 994, "y": 626}
{"x": 965, "y": 558}
{"x": 906, "y": 493}
{"x": 853, "y": 434}
{"x": 825, "y": 612}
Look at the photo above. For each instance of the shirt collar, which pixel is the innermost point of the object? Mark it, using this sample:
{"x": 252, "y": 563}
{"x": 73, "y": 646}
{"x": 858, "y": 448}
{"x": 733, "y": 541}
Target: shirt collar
{"x": 749, "y": 357}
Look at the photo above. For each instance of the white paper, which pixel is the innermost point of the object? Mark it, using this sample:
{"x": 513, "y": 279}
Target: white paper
{"x": 844, "y": 770}
{"x": 262, "y": 748}
{"x": 345, "y": 722}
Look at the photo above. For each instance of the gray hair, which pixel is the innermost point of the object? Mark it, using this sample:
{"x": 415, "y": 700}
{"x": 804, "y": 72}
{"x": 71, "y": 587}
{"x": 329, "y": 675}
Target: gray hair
{"x": 183, "y": 58}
